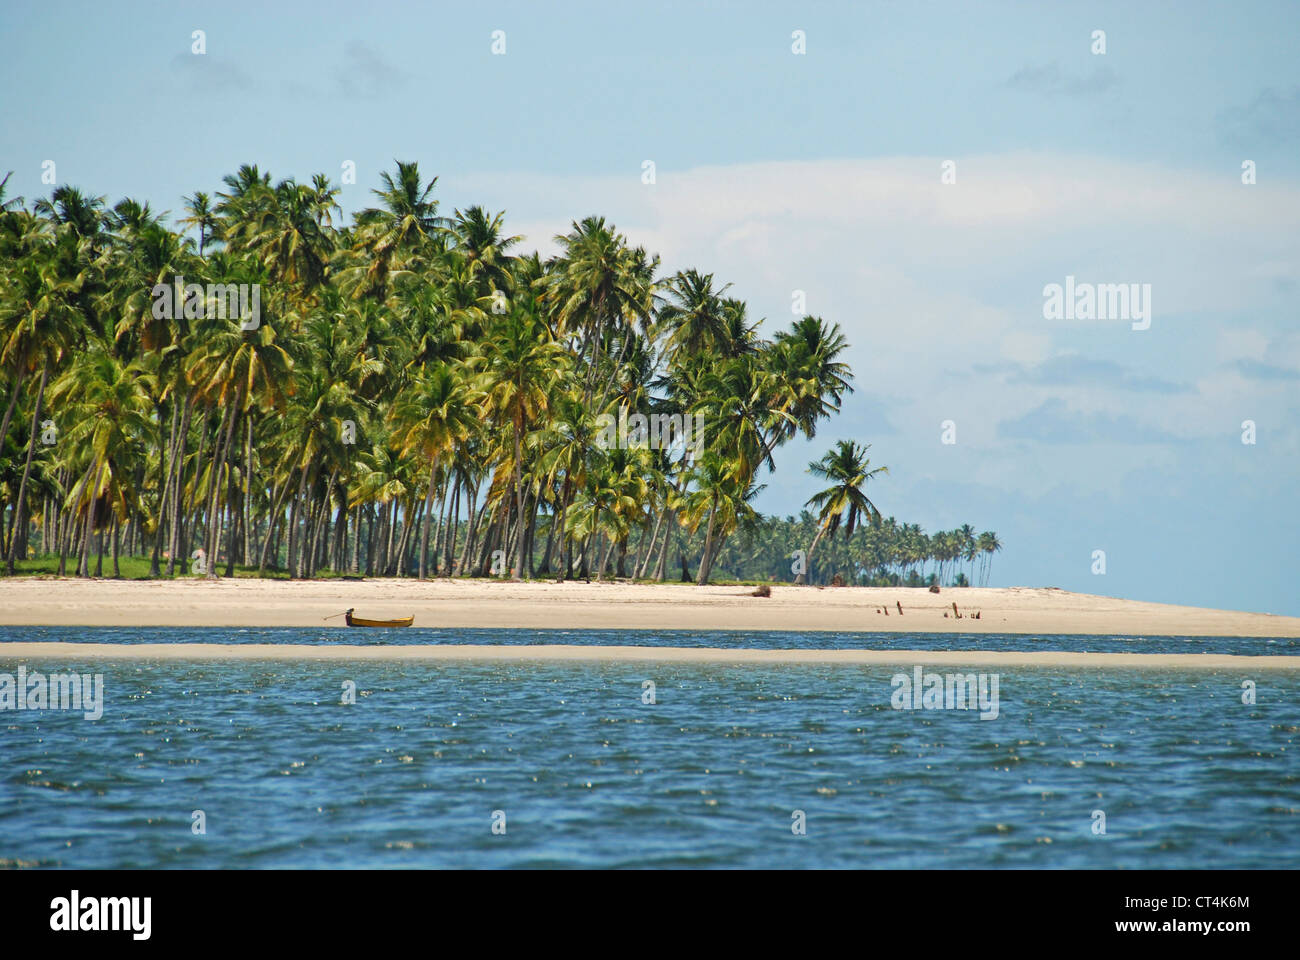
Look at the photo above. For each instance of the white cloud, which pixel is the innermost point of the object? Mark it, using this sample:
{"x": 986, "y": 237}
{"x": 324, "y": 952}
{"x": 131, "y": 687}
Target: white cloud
{"x": 931, "y": 281}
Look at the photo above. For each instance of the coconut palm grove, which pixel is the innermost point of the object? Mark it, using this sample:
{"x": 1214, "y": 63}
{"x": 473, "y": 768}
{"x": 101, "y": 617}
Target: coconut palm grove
{"x": 267, "y": 390}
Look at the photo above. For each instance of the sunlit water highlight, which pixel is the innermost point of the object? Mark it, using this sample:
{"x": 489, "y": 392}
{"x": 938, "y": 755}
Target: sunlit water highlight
{"x": 588, "y": 775}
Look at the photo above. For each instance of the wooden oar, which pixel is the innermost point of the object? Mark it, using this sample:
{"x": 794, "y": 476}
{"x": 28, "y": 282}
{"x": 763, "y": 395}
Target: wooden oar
{"x": 343, "y": 614}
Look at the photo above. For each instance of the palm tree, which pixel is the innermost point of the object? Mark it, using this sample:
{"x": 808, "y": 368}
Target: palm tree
{"x": 233, "y": 370}
{"x": 599, "y": 292}
{"x": 430, "y": 417}
{"x": 202, "y": 216}
{"x": 518, "y": 362}
{"x": 988, "y": 544}
{"x": 721, "y": 503}
{"x": 848, "y": 468}
{"x": 45, "y": 311}
{"x": 694, "y": 316}
{"x": 479, "y": 239}
{"x": 405, "y": 225}
{"x": 27, "y": 240}
{"x": 811, "y": 378}
{"x": 108, "y": 408}
{"x": 966, "y": 546}
{"x": 13, "y": 203}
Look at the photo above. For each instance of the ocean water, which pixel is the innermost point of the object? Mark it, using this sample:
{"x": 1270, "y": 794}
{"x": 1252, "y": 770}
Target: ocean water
{"x": 757, "y": 639}
{"x": 586, "y": 774}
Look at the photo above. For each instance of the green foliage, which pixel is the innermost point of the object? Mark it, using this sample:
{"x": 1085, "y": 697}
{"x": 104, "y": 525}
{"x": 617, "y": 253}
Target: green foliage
{"x": 413, "y": 398}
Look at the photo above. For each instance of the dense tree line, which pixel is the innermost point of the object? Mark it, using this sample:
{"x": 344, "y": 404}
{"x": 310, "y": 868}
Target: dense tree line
{"x": 403, "y": 394}
{"x": 888, "y": 554}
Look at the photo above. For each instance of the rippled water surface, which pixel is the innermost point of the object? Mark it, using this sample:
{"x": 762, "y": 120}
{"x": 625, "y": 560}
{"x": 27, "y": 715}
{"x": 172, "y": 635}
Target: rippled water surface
{"x": 588, "y": 775}
{"x": 758, "y": 639}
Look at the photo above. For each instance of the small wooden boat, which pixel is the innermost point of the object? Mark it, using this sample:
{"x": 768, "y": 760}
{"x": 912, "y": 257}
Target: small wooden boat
{"x": 363, "y": 622}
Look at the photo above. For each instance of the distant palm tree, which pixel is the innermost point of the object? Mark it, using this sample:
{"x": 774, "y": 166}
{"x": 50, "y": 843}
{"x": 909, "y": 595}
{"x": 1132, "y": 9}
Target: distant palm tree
{"x": 480, "y": 239}
{"x": 13, "y": 203}
{"x": 988, "y": 544}
{"x": 202, "y": 216}
{"x": 966, "y": 547}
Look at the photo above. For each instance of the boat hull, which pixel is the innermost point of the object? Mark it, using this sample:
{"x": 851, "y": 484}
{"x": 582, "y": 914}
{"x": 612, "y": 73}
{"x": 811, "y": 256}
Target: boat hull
{"x": 363, "y": 622}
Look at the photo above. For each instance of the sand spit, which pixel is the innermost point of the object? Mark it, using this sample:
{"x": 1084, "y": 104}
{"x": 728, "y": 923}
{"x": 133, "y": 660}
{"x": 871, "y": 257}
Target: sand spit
{"x": 550, "y": 653}
{"x": 638, "y": 606}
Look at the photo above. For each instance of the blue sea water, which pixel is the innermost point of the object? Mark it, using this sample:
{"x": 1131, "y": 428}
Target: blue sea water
{"x": 586, "y": 774}
{"x": 756, "y": 639}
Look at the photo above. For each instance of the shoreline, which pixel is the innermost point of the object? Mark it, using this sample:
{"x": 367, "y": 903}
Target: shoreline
{"x": 40, "y": 602}
{"x": 552, "y": 653}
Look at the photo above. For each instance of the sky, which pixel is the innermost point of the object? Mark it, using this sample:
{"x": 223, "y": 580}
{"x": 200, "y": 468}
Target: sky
{"x": 823, "y": 173}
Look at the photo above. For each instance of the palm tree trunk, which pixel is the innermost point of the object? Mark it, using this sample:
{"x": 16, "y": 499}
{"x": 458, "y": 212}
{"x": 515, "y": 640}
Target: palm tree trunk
{"x": 604, "y": 559}
{"x": 663, "y": 551}
{"x": 390, "y": 539}
{"x": 530, "y": 534}
{"x": 424, "y": 527}
{"x": 83, "y": 555}
{"x": 370, "y": 517}
{"x": 272, "y": 522}
{"x": 545, "y": 569}
{"x": 466, "y": 558}
{"x": 164, "y": 498}
{"x": 566, "y": 542}
{"x": 807, "y": 561}
{"x": 342, "y": 526}
{"x": 248, "y": 490}
{"x": 293, "y": 521}
{"x": 520, "y": 573}
{"x": 65, "y": 543}
{"x": 83, "y": 569}
{"x": 177, "y": 467}
{"x": 20, "y": 373}
{"x": 319, "y": 526}
{"x": 117, "y": 572}
{"x": 27, "y": 466}
{"x": 443, "y": 549}
{"x": 355, "y": 565}
{"x": 453, "y": 528}
{"x": 413, "y": 517}
{"x": 219, "y": 456}
{"x": 703, "y": 578}
{"x": 650, "y": 550}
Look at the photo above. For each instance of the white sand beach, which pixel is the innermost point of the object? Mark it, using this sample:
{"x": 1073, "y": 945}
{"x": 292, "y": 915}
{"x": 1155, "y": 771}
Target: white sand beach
{"x": 640, "y": 606}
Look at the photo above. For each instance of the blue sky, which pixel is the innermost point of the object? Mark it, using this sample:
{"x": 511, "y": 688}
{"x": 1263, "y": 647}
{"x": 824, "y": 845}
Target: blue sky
{"x": 821, "y": 173}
